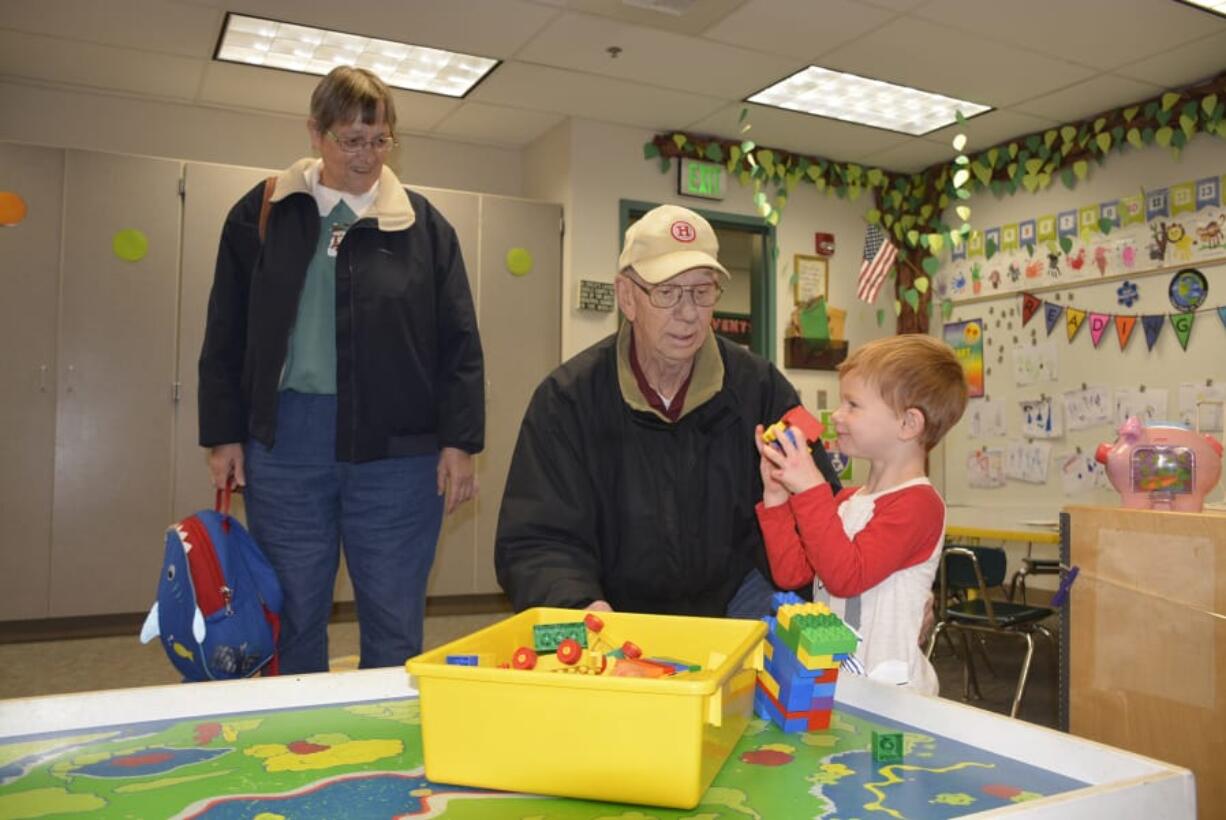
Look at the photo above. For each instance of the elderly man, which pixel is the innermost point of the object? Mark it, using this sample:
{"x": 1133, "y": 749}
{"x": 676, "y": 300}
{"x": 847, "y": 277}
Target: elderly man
{"x": 635, "y": 476}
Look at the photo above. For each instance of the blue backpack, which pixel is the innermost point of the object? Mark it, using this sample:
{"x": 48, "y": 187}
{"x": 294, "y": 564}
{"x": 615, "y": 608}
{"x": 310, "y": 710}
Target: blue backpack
{"x": 218, "y": 601}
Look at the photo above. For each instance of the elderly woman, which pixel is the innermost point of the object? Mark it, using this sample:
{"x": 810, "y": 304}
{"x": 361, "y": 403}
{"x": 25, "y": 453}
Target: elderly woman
{"x": 635, "y": 477}
{"x": 341, "y": 378}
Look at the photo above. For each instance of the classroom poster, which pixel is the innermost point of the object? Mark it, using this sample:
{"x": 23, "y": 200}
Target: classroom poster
{"x": 986, "y": 418}
{"x": 1146, "y": 404}
{"x": 1040, "y": 419}
{"x": 966, "y": 338}
{"x": 1027, "y": 461}
{"x": 1087, "y": 407}
{"x": 985, "y": 468}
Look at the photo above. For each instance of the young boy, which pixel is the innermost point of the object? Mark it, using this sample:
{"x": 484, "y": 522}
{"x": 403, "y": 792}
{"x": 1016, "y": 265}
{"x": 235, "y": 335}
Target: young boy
{"x": 873, "y": 549}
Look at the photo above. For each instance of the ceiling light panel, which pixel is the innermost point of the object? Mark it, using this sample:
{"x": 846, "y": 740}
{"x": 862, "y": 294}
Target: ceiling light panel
{"x": 851, "y": 98}
{"x": 273, "y": 44}
{"x": 1216, "y": 6}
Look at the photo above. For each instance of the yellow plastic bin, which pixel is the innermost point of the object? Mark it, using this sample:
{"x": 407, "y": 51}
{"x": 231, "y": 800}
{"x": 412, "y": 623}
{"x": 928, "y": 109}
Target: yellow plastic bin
{"x": 657, "y": 741}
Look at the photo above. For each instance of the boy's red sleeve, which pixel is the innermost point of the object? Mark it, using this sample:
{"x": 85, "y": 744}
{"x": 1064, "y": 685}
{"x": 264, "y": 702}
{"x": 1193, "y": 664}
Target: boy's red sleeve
{"x": 789, "y": 566}
{"x": 905, "y": 528}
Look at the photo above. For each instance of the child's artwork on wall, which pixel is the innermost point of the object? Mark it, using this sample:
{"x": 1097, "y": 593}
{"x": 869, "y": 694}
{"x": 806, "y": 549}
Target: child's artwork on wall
{"x": 985, "y": 468}
{"x": 1080, "y": 473}
{"x": 1027, "y": 461}
{"x": 1035, "y": 363}
{"x": 1146, "y": 404}
{"x": 1040, "y": 419}
{"x": 1181, "y": 224}
{"x": 1087, "y": 407}
{"x": 986, "y": 418}
{"x": 966, "y": 338}
{"x": 1200, "y": 406}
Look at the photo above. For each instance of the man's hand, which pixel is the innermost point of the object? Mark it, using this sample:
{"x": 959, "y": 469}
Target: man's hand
{"x": 457, "y": 479}
{"x": 599, "y": 606}
{"x": 226, "y": 460}
{"x": 793, "y": 466}
{"x": 773, "y": 493}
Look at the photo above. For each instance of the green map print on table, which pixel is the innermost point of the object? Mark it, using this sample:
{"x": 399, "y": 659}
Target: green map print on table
{"x": 365, "y": 760}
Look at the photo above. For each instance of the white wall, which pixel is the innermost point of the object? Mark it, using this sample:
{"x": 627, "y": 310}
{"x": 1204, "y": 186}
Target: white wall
{"x": 606, "y": 166}
{"x": 1166, "y": 366}
{"x": 127, "y": 125}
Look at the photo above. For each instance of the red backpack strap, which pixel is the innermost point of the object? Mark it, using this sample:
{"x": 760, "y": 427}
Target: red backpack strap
{"x": 270, "y": 188}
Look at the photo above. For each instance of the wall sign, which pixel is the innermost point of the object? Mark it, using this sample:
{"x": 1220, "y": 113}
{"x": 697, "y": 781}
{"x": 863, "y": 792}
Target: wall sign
{"x": 700, "y": 179}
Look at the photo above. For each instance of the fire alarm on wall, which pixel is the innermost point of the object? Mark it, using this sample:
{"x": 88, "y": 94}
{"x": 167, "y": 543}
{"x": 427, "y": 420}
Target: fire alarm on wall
{"x": 824, "y": 244}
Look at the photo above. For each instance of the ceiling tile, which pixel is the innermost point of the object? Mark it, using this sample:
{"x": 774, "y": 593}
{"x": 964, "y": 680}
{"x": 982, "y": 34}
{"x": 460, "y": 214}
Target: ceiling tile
{"x": 148, "y": 25}
{"x": 698, "y": 18}
{"x": 1183, "y": 66}
{"x": 496, "y": 124}
{"x": 580, "y": 42}
{"x": 1086, "y": 99}
{"x": 1099, "y": 33}
{"x": 913, "y": 155}
{"x": 541, "y": 88}
{"x": 53, "y": 60}
{"x": 756, "y": 25}
{"x": 799, "y": 133}
{"x": 936, "y": 58}
{"x": 992, "y": 128}
{"x": 287, "y": 92}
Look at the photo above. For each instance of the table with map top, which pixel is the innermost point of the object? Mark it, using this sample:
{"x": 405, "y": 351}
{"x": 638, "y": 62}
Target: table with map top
{"x": 349, "y": 745}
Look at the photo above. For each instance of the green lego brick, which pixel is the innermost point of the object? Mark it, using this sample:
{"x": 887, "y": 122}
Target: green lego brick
{"x": 546, "y": 637}
{"x": 887, "y": 747}
{"x": 834, "y": 639}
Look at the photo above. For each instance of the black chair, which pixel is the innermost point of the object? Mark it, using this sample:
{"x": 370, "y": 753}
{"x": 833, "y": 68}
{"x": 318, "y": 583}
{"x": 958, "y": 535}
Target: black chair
{"x": 976, "y": 570}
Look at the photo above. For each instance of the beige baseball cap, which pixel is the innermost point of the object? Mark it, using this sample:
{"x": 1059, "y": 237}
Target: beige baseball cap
{"x": 669, "y": 240}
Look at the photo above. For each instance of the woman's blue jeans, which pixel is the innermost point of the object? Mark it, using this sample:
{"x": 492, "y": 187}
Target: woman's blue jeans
{"x": 302, "y": 505}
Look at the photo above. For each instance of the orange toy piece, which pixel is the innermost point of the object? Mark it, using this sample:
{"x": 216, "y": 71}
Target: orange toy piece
{"x": 635, "y": 668}
{"x": 601, "y": 642}
{"x": 524, "y": 658}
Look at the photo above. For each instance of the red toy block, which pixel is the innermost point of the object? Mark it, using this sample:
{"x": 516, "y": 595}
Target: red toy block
{"x": 524, "y": 658}
{"x": 803, "y": 420}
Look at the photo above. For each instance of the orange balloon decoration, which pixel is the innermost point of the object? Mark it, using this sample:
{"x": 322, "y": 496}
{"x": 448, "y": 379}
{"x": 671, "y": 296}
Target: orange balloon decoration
{"x": 12, "y": 208}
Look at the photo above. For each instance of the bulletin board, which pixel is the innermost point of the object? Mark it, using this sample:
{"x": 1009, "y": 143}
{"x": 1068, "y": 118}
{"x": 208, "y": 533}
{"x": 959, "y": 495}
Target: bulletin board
{"x": 1056, "y": 377}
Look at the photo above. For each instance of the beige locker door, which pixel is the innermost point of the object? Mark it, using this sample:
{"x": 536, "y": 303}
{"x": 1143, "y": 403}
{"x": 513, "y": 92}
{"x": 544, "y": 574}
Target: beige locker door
{"x": 115, "y": 374}
{"x": 453, "y": 561}
{"x": 520, "y": 318}
{"x": 29, "y": 279}
{"x": 209, "y": 193}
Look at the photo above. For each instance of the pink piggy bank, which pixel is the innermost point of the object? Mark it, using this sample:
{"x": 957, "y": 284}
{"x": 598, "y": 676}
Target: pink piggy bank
{"x": 1162, "y": 465}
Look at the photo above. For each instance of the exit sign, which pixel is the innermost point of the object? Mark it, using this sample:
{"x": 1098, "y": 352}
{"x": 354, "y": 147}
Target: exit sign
{"x": 702, "y": 179}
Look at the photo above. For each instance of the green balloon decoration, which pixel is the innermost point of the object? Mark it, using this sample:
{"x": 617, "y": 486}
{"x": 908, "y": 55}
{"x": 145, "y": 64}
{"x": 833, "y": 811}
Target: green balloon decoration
{"x": 130, "y": 245}
{"x": 519, "y": 261}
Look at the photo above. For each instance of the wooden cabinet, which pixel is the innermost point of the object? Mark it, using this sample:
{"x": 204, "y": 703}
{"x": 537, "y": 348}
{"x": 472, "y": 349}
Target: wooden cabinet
{"x": 98, "y": 358}
{"x": 1145, "y": 638}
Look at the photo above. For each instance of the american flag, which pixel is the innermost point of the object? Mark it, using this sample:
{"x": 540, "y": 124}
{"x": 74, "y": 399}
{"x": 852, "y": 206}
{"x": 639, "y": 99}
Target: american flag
{"x": 879, "y": 255}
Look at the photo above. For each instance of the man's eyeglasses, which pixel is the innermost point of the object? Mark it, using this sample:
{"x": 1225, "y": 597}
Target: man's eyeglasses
{"x": 669, "y": 296}
{"x": 354, "y": 145}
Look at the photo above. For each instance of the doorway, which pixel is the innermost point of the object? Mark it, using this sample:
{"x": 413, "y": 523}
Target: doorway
{"x": 745, "y": 313}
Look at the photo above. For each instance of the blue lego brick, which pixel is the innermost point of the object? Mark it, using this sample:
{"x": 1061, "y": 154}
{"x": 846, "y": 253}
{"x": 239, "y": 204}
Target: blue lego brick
{"x": 783, "y": 599}
{"x": 796, "y": 694}
{"x": 463, "y": 660}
